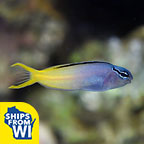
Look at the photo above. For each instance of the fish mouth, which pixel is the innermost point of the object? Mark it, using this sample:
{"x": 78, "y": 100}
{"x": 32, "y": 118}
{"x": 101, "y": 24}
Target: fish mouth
{"x": 129, "y": 80}
{"x": 131, "y": 77}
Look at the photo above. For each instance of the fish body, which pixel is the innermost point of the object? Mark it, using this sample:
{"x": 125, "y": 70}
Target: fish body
{"x": 92, "y": 75}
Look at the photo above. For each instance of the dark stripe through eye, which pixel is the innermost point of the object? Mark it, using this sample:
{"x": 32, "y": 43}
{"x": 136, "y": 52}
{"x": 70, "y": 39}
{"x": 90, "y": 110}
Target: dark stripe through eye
{"x": 122, "y": 74}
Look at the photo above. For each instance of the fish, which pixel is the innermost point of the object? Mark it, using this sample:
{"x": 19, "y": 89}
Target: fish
{"x": 89, "y": 75}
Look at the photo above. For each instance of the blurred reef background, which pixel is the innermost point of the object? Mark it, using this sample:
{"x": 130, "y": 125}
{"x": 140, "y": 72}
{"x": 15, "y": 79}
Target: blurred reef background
{"x": 43, "y": 33}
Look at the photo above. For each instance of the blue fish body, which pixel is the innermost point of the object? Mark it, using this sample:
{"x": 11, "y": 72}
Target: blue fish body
{"x": 101, "y": 76}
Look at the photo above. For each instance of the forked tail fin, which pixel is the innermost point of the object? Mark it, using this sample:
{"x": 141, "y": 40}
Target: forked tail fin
{"x": 28, "y": 80}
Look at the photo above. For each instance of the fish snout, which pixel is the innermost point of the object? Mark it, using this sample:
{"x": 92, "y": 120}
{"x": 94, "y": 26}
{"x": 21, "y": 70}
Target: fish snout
{"x": 130, "y": 77}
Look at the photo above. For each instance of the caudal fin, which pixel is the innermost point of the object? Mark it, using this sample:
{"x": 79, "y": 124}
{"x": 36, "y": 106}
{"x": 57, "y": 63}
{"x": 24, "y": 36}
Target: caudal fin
{"x": 29, "y": 80}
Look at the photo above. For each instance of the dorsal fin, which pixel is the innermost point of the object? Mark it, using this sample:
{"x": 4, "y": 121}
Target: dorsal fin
{"x": 79, "y": 63}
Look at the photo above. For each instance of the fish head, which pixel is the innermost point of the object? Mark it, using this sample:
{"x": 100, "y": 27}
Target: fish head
{"x": 122, "y": 73}
{"x": 117, "y": 77}
{"x": 122, "y": 76}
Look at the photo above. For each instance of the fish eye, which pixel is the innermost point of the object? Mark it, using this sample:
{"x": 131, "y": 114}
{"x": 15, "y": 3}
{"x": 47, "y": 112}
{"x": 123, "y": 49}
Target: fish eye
{"x": 122, "y": 74}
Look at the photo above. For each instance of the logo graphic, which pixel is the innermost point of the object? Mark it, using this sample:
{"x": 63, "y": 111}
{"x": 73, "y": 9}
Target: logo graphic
{"x": 20, "y": 122}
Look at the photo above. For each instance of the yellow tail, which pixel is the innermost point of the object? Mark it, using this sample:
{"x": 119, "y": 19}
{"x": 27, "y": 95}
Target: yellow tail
{"x": 31, "y": 80}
